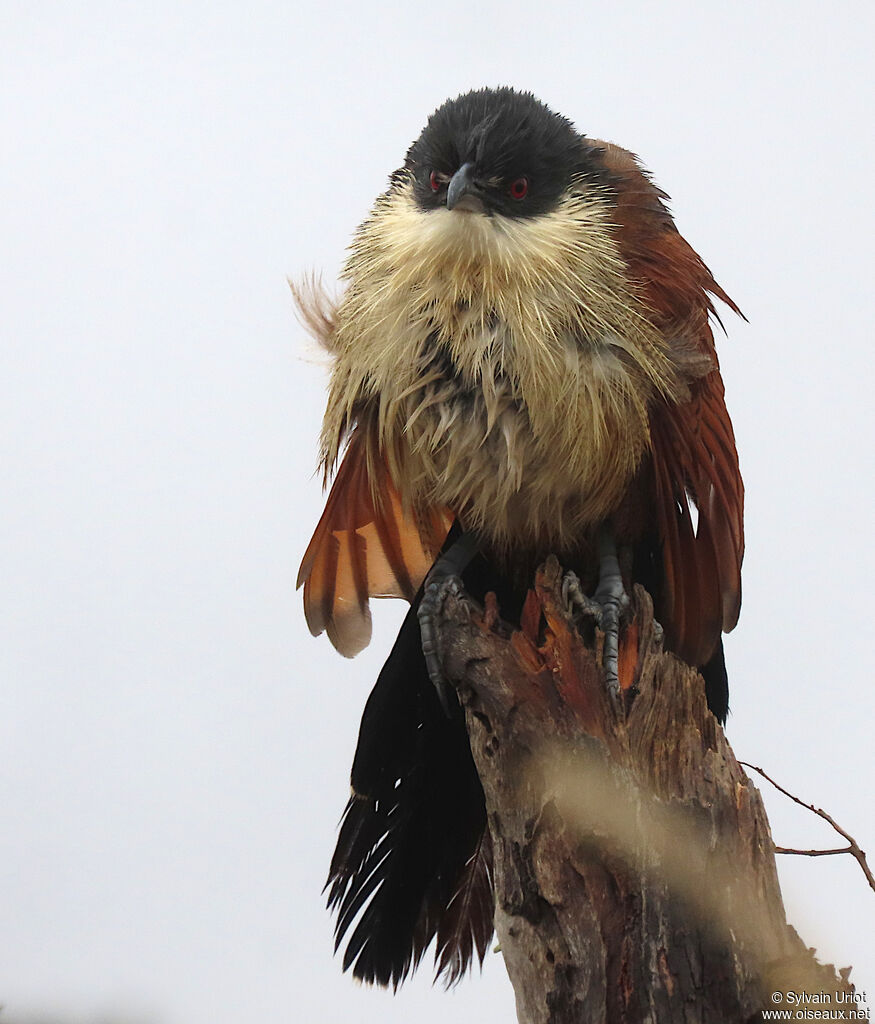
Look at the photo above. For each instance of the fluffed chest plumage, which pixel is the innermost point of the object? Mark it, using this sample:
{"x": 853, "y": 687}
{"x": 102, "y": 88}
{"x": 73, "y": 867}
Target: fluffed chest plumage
{"x": 507, "y": 371}
{"x": 516, "y": 463}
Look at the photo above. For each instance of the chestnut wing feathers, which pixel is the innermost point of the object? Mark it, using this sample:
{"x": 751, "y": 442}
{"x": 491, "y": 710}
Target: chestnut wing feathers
{"x": 695, "y": 462}
{"x": 365, "y": 545}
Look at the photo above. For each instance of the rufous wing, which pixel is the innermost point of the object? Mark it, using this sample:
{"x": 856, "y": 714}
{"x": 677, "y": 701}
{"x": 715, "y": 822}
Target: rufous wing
{"x": 365, "y": 545}
{"x": 695, "y": 464}
{"x": 695, "y": 461}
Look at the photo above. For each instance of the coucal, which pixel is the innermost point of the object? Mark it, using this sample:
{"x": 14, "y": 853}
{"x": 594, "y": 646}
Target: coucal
{"x": 522, "y": 365}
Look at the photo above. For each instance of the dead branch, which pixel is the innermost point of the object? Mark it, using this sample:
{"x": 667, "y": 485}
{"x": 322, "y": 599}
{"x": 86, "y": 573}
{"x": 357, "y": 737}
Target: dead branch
{"x": 852, "y": 848}
{"x": 634, "y": 874}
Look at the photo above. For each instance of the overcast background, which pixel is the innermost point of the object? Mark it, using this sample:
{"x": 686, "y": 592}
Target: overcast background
{"x": 175, "y": 746}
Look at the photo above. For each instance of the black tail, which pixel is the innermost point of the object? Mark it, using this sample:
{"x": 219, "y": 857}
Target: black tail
{"x": 716, "y": 684}
{"x": 414, "y": 858}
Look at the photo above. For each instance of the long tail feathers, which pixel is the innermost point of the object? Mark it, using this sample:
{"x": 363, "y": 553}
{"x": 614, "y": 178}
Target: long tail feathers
{"x": 413, "y": 860}
{"x": 467, "y": 922}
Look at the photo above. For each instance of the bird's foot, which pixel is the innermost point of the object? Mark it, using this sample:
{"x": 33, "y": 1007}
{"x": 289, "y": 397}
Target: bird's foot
{"x": 606, "y": 608}
{"x": 436, "y": 591}
{"x": 442, "y": 582}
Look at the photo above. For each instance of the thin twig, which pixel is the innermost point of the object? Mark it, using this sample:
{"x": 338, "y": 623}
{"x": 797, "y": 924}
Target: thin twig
{"x": 813, "y": 853}
{"x": 852, "y": 848}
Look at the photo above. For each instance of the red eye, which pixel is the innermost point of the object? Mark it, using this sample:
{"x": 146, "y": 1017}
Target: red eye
{"x": 519, "y": 188}
{"x": 434, "y": 181}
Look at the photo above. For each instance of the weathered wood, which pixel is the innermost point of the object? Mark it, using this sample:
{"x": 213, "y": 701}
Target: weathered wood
{"x": 634, "y": 869}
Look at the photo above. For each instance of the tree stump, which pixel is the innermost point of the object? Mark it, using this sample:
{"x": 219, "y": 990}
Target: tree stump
{"x": 634, "y": 870}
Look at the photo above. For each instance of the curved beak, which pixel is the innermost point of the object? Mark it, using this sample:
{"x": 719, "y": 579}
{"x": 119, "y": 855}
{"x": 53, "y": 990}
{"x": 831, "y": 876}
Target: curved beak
{"x": 462, "y": 192}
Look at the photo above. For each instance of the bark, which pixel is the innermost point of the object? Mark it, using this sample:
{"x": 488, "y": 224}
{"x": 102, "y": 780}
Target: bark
{"x": 634, "y": 872}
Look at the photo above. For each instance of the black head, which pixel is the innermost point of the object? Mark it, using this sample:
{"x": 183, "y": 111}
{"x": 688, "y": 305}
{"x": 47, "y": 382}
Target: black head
{"x": 499, "y": 151}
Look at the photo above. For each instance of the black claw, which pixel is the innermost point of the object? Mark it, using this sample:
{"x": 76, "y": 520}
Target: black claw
{"x": 435, "y": 593}
{"x": 605, "y": 607}
{"x": 442, "y": 581}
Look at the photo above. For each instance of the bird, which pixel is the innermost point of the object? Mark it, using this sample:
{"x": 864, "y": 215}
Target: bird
{"x": 523, "y": 364}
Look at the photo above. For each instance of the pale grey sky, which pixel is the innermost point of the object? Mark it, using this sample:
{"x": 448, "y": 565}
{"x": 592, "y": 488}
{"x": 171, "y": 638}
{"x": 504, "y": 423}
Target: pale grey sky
{"x": 176, "y": 746}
